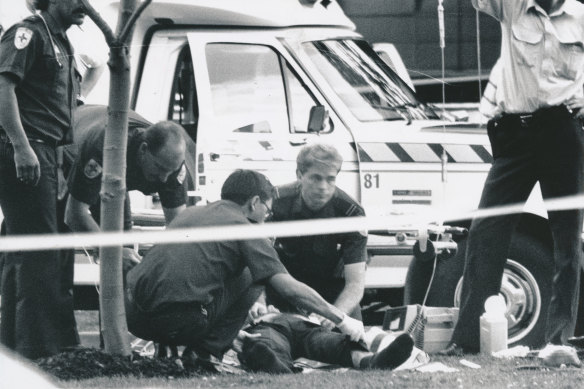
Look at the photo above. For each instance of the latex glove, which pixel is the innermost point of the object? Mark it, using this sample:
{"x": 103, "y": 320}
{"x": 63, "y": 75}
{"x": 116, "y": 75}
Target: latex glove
{"x": 258, "y": 310}
{"x": 353, "y": 328}
{"x": 131, "y": 255}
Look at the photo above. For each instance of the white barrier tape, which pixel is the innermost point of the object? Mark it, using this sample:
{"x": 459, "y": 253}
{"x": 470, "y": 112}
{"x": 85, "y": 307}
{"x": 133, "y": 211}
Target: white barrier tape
{"x": 199, "y": 234}
{"x": 556, "y": 204}
{"x": 274, "y": 229}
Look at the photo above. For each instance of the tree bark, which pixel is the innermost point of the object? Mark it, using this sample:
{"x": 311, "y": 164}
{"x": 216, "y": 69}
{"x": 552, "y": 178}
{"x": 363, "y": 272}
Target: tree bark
{"x": 113, "y": 187}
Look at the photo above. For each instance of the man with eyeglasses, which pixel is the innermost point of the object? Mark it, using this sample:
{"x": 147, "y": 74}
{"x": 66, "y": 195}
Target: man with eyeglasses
{"x": 155, "y": 164}
{"x": 197, "y": 294}
{"x": 332, "y": 264}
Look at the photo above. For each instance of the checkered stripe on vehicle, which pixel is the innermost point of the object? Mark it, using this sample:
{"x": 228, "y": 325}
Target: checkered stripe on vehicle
{"x": 423, "y": 152}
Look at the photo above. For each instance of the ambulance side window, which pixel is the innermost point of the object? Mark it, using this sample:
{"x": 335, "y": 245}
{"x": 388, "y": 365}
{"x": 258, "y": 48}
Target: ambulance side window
{"x": 301, "y": 101}
{"x": 184, "y": 108}
{"x": 247, "y": 89}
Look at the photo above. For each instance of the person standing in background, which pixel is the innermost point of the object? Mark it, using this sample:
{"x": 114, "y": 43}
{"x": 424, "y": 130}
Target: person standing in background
{"x": 536, "y": 136}
{"x": 39, "y": 84}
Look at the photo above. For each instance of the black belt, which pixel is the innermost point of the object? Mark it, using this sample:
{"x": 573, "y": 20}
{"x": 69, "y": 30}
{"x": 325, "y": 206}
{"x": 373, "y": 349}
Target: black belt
{"x": 525, "y": 119}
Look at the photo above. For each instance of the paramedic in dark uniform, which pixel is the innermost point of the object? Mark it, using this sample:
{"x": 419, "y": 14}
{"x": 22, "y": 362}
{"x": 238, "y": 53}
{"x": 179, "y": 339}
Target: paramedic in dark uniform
{"x": 536, "y": 138}
{"x": 333, "y": 265}
{"x": 155, "y": 164}
{"x": 198, "y": 294}
{"x": 38, "y": 88}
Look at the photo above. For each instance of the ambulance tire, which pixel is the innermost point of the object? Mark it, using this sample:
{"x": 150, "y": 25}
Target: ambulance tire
{"x": 528, "y": 272}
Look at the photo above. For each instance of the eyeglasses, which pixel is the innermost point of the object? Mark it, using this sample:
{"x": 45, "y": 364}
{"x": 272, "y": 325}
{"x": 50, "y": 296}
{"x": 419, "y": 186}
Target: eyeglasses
{"x": 268, "y": 208}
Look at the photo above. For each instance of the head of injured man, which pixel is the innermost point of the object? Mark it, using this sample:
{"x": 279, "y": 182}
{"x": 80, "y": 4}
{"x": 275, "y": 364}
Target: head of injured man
{"x": 317, "y": 167}
{"x": 252, "y": 191}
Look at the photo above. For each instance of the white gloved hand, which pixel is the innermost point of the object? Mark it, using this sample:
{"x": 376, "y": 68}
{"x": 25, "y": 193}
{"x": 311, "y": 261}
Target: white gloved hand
{"x": 131, "y": 255}
{"x": 352, "y": 327}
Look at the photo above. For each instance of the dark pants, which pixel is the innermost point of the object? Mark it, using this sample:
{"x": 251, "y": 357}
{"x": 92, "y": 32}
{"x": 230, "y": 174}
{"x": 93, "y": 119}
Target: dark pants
{"x": 547, "y": 148}
{"x": 209, "y": 328}
{"x": 290, "y": 338}
{"x": 37, "y": 304}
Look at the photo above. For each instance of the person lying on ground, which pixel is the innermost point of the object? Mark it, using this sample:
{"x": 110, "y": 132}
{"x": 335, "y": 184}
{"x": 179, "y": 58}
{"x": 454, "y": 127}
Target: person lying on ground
{"x": 274, "y": 341}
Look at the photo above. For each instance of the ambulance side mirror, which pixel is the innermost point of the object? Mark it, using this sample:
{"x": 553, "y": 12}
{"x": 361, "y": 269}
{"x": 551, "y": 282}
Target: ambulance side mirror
{"x": 318, "y": 120}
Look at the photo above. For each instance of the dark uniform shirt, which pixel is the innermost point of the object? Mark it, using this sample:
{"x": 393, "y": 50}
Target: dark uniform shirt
{"x": 318, "y": 260}
{"x": 37, "y": 317}
{"x": 85, "y": 177}
{"x": 194, "y": 272}
{"x": 46, "y": 77}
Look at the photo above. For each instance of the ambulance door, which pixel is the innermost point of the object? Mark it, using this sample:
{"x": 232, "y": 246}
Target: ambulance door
{"x": 254, "y": 105}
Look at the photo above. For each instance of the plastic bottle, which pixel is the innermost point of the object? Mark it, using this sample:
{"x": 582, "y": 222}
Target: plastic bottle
{"x": 493, "y": 324}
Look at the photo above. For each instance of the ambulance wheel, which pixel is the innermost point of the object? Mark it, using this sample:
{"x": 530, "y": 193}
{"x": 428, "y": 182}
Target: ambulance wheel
{"x": 526, "y": 283}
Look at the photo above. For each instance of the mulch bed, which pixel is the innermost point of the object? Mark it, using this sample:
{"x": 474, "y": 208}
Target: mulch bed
{"x": 86, "y": 363}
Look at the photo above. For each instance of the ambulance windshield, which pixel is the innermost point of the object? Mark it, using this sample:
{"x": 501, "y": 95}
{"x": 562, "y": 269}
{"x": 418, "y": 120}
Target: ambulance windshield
{"x": 369, "y": 88}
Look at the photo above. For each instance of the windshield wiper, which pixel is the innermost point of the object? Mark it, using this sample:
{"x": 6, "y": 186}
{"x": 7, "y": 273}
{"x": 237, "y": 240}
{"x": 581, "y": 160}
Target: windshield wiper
{"x": 397, "y": 109}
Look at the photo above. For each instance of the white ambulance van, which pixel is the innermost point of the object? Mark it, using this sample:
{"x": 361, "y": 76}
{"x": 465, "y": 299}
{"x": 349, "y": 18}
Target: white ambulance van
{"x": 249, "y": 81}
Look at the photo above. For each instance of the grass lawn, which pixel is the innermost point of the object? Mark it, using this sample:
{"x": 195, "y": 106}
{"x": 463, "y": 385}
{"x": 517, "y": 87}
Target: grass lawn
{"x": 494, "y": 373}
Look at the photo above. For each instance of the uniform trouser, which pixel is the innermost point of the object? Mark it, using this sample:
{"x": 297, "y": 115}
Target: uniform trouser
{"x": 37, "y": 304}
{"x": 205, "y": 328}
{"x": 290, "y": 338}
{"x": 548, "y": 148}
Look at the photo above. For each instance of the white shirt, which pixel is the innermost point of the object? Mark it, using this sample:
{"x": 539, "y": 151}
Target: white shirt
{"x": 542, "y": 55}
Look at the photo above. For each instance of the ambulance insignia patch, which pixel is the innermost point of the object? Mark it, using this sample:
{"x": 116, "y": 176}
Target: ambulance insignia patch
{"x": 182, "y": 174}
{"x": 22, "y": 37}
{"x": 92, "y": 169}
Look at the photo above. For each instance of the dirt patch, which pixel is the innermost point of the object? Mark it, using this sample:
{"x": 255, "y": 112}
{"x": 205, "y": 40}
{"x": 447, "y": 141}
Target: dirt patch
{"x": 88, "y": 363}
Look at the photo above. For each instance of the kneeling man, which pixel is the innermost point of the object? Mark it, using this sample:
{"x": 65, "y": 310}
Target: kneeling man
{"x": 198, "y": 294}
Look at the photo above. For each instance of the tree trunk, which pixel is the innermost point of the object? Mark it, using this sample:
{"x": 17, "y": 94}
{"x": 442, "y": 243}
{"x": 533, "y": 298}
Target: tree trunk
{"x": 113, "y": 189}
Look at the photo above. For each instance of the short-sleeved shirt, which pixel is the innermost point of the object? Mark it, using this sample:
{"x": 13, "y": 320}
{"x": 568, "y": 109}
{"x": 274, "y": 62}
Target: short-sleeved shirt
{"x": 542, "y": 55}
{"x": 47, "y": 78}
{"x": 85, "y": 176}
{"x": 193, "y": 272}
{"x": 318, "y": 260}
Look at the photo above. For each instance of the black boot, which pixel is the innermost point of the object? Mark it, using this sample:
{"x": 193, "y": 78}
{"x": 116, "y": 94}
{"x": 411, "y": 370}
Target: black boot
{"x": 392, "y": 356}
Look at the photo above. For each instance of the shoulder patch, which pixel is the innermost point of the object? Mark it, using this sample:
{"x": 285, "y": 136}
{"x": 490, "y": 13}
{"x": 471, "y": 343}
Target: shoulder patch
{"x": 287, "y": 190}
{"x": 22, "y": 37}
{"x": 182, "y": 174}
{"x": 92, "y": 169}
